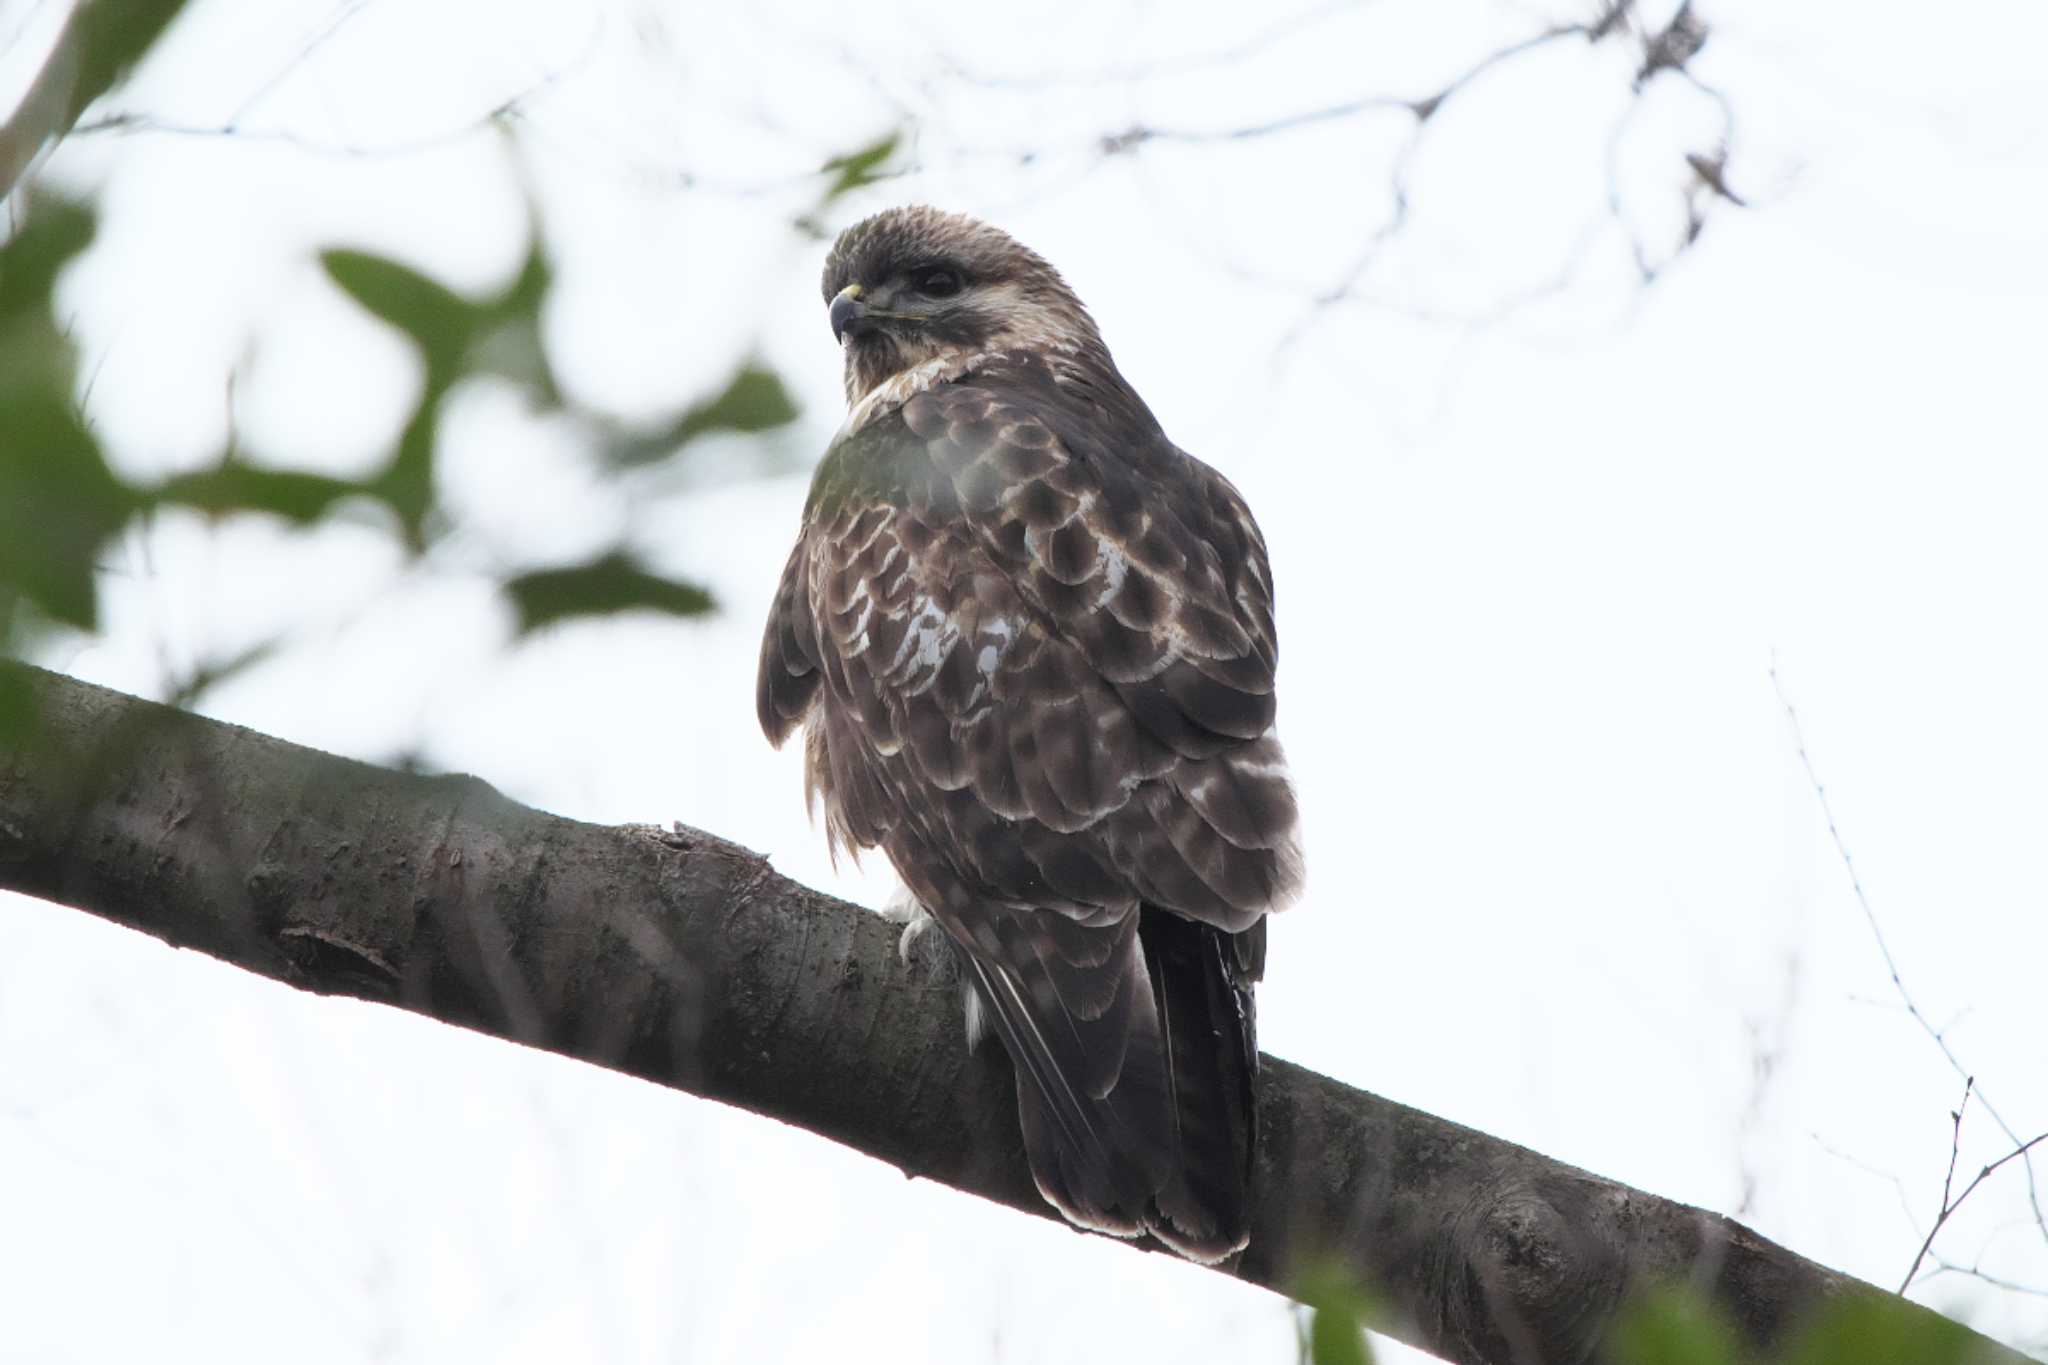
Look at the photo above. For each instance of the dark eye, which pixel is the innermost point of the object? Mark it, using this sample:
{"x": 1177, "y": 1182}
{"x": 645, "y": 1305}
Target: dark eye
{"x": 935, "y": 281}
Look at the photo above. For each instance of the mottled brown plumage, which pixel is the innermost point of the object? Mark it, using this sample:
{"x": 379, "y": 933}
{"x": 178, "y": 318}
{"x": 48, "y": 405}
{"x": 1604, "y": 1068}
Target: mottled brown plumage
{"x": 1033, "y": 645}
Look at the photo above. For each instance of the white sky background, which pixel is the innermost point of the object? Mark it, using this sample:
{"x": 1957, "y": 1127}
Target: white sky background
{"x": 1569, "y": 883}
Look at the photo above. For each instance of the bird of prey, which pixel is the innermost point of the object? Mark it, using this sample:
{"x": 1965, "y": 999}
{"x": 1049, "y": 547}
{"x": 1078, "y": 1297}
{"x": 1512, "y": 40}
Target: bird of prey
{"x": 1032, "y": 645}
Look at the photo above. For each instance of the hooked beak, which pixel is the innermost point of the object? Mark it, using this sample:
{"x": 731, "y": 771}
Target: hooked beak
{"x": 848, "y": 313}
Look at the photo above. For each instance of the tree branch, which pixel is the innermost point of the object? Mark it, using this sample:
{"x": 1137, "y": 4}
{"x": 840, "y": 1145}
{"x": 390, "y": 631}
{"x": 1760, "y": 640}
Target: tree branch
{"x": 46, "y": 109}
{"x": 100, "y": 41}
{"x": 687, "y": 961}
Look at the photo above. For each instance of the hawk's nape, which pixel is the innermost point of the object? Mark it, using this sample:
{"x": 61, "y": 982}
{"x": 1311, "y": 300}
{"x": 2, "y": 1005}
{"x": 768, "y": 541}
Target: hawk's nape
{"x": 1032, "y": 646}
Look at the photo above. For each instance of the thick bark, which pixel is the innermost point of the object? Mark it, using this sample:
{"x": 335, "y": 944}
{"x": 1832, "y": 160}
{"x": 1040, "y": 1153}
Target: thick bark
{"x": 686, "y": 960}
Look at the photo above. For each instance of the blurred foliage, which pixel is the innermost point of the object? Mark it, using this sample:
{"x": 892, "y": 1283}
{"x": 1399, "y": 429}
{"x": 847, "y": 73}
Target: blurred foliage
{"x": 456, "y": 339}
{"x": 235, "y": 485}
{"x": 58, "y": 500}
{"x": 1673, "y": 1327}
{"x": 610, "y": 583}
{"x": 1338, "y": 1310}
{"x": 117, "y": 34}
{"x": 853, "y": 171}
{"x": 754, "y": 401}
{"x": 1884, "y": 1328}
{"x": 61, "y": 503}
{"x": 1676, "y": 1326}
{"x": 858, "y": 169}
{"x": 98, "y": 45}
{"x": 17, "y": 709}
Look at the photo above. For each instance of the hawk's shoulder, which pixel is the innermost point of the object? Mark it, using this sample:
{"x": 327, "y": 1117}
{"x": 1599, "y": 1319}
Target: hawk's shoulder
{"x": 1145, "y": 558}
{"x": 1142, "y": 558}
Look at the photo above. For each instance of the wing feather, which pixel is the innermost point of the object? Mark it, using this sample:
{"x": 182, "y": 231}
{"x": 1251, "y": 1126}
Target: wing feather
{"x": 1143, "y": 558}
{"x": 788, "y": 676}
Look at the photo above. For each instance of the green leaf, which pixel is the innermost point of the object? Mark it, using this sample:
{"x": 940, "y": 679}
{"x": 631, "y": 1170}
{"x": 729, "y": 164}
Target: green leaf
{"x": 858, "y": 168}
{"x": 457, "y": 338}
{"x": 612, "y": 583}
{"x": 52, "y": 232}
{"x": 523, "y": 298}
{"x": 406, "y": 485}
{"x": 58, "y": 504}
{"x": 1335, "y": 1338}
{"x": 58, "y": 500}
{"x": 1338, "y": 1309}
{"x": 118, "y": 33}
{"x": 236, "y": 486}
{"x": 439, "y": 320}
{"x": 1873, "y": 1328}
{"x": 513, "y": 351}
{"x": 754, "y": 400}
{"x": 17, "y": 704}
{"x": 508, "y": 341}
{"x": 1673, "y": 1327}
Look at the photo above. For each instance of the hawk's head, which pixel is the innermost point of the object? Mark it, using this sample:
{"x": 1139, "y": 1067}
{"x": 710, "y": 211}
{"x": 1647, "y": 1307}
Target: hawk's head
{"x": 913, "y": 285}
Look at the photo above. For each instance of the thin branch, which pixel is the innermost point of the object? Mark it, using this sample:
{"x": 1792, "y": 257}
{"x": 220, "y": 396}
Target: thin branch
{"x": 1668, "y": 50}
{"x": 1955, "y": 1147}
{"x": 1421, "y": 108}
{"x": 1137, "y": 73}
{"x": 93, "y": 51}
{"x": 305, "y": 54}
{"x": 1942, "y": 1267}
{"x": 1898, "y": 1185}
{"x": 131, "y": 123}
{"x": 1948, "y": 1209}
{"x": 508, "y": 112}
{"x": 1891, "y": 964}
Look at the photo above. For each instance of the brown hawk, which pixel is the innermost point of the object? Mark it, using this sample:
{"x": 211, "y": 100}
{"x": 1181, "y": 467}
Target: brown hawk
{"x": 1032, "y": 644}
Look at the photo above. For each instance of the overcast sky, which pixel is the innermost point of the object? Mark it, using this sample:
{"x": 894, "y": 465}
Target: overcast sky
{"x": 1541, "y": 534}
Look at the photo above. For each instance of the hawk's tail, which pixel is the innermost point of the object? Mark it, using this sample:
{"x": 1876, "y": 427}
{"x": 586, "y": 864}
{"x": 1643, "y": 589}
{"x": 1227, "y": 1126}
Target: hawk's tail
{"x": 1202, "y": 978}
{"x": 1137, "y": 1107}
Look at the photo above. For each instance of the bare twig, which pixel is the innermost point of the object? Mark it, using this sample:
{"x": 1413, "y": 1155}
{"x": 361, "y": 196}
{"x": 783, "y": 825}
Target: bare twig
{"x": 1677, "y": 43}
{"x": 507, "y": 113}
{"x": 1422, "y": 108}
{"x": 2022, "y": 1147}
{"x": 131, "y": 123}
{"x": 1948, "y": 1209}
{"x": 1898, "y": 1185}
{"x": 1664, "y": 51}
{"x": 305, "y": 54}
{"x": 1942, "y": 1267}
{"x": 1135, "y": 73}
{"x": 1767, "y": 1047}
{"x": 1955, "y": 1147}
